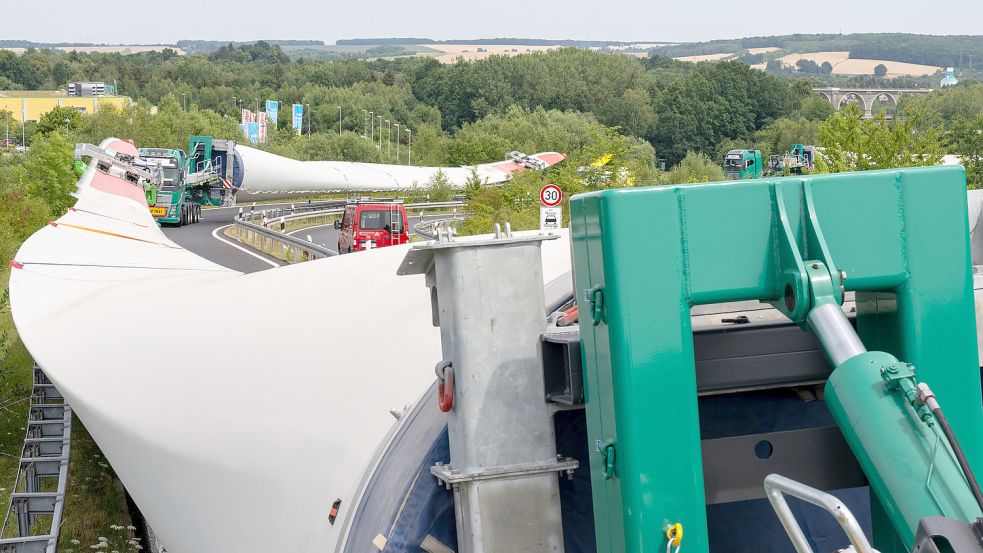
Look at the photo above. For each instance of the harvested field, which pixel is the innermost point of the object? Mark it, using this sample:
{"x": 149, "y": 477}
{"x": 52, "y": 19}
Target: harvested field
{"x": 707, "y": 57}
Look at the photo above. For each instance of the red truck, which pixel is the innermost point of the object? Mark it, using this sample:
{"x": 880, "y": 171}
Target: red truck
{"x": 371, "y": 224}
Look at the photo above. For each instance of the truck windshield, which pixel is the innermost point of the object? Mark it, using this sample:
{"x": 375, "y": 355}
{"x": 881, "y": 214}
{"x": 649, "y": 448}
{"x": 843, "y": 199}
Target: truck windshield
{"x": 169, "y": 169}
{"x": 379, "y": 220}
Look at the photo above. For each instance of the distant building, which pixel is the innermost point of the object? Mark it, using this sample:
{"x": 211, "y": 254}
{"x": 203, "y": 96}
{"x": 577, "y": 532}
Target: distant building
{"x": 86, "y": 89}
{"x": 950, "y": 77}
{"x": 31, "y": 105}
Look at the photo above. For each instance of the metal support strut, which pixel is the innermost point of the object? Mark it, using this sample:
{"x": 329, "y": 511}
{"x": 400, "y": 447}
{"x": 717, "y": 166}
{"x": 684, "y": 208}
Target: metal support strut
{"x": 488, "y": 300}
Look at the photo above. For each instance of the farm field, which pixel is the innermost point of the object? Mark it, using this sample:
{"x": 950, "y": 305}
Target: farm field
{"x": 120, "y": 49}
{"x": 449, "y": 53}
{"x": 706, "y": 57}
{"x": 843, "y": 65}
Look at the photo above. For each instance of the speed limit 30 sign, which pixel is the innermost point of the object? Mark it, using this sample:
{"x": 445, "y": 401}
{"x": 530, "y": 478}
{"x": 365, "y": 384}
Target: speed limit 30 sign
{"x": 550, "y": 195}
{"x": 550, "y": 215}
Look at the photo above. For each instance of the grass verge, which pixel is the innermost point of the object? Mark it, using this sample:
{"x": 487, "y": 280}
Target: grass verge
{"x": 95, "y": 505}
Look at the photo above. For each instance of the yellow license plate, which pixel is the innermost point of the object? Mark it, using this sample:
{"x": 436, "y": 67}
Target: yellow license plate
{"x": 158, "y": 211}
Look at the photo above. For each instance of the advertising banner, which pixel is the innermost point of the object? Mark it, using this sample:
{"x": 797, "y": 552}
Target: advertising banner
{"x": 251, "y": 130}
{"x": 273, "y": 111}
{"x": 298, "y": 121}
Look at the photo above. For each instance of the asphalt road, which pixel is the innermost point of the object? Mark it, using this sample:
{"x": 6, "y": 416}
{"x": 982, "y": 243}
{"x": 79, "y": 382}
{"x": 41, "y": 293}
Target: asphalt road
{"x": 327, "y": 236}
{"x": 207, "y": 239}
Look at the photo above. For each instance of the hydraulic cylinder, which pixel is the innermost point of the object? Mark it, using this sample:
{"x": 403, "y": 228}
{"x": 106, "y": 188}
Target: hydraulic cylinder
{"x": 898, "y": 443}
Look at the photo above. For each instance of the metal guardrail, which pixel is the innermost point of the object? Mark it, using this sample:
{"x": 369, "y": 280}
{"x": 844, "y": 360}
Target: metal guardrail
{"x": 430, "y": 229}
{"x": 253, "y": 227}
{"x": 258, "y": 235}
{"x": 44, "y": 457}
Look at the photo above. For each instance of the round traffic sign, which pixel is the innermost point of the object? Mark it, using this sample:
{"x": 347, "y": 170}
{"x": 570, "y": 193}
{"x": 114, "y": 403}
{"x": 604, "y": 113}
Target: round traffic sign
{"x": 550, "y": 195}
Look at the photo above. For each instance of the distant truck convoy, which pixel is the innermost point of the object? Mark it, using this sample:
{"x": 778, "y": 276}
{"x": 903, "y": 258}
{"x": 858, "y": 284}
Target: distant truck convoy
{"x": 372, "y": 224}
{"x": 747, "y": 164}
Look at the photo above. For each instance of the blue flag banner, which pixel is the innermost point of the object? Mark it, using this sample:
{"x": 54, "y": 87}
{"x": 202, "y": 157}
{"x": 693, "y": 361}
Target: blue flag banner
{"x": 272, "y": 111}
{"x": 251, "y": 130}
{"x": 298, "y": 117}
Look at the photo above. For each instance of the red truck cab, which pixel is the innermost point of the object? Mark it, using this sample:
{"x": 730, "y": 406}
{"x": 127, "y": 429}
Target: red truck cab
{"x": 371, "y": 224}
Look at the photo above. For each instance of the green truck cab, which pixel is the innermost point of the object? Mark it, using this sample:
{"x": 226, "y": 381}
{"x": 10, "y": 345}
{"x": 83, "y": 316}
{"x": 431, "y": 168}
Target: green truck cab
{"x": 171, "y": 203}
{"x": 743, "y": 164}
{"x": 747, "y": 164}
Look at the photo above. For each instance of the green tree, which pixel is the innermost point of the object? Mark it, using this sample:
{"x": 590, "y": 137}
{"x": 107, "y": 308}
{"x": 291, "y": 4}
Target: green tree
{"x": 47, "y": 173}
{"x": 779, "y": 135}
{"x": 942, "y": 107}
{"x": 816, "y": 108}
{"x": 967, "y": 142}
{"x": 439, "y": 188}
{"x": 695, "y": 167}
{"x": 60, "y": 118}
{"x": 852, "y": 143}
{"x": 880, "y": 71}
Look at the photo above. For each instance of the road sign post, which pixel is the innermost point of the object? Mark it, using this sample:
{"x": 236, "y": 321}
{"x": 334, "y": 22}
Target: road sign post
{"x": 551, "y": 214}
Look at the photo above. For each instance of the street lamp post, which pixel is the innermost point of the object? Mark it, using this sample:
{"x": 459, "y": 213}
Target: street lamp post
{"x": 372, "y": 126}
{"x": 235, "y": 105}
{"x": 67, "y": 121}
{"x": 310, "y": 119}
{"x": 339, "y": 120}
{"x": 380, "y": 131}
{"x": 257, "y": 106}
{"x": 389, "y": 138}
{"x": 409, "y": 147}
{"x": 184, "y": 101}
{"x": 397, "y": 143}
{"x": 365, "y": 123}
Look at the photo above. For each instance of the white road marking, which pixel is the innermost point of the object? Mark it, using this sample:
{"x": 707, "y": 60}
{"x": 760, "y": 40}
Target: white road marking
{"x": 291, "y": 233}
{"x": 238, "y": 247}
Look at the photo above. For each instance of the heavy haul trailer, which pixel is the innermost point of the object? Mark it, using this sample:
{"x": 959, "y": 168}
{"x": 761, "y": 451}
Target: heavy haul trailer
{"x": 215, "y": 170}
{"x": 719, "y": 371}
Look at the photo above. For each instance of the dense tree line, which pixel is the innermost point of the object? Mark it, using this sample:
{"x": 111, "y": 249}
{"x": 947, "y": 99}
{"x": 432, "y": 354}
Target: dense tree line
{"x": 676, "y": 107}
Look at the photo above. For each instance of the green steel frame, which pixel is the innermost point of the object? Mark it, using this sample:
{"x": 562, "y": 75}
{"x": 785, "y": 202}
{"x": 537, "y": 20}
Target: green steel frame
{"x": 900, "y": 236}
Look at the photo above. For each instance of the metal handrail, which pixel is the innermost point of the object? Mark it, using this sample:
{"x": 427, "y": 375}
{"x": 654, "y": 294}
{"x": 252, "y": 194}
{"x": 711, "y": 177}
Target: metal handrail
{"x": 775, "y": 488}
{"x": 429, "y": 229}
{"x": 43, "y": 450}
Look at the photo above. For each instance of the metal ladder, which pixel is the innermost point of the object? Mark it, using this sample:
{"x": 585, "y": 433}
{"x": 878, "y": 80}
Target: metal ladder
{"x": 45, "y": 455}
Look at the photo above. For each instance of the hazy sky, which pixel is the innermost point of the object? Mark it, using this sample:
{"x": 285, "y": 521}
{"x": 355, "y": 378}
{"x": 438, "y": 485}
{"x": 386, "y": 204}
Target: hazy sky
{"x": 117, "y": 21}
